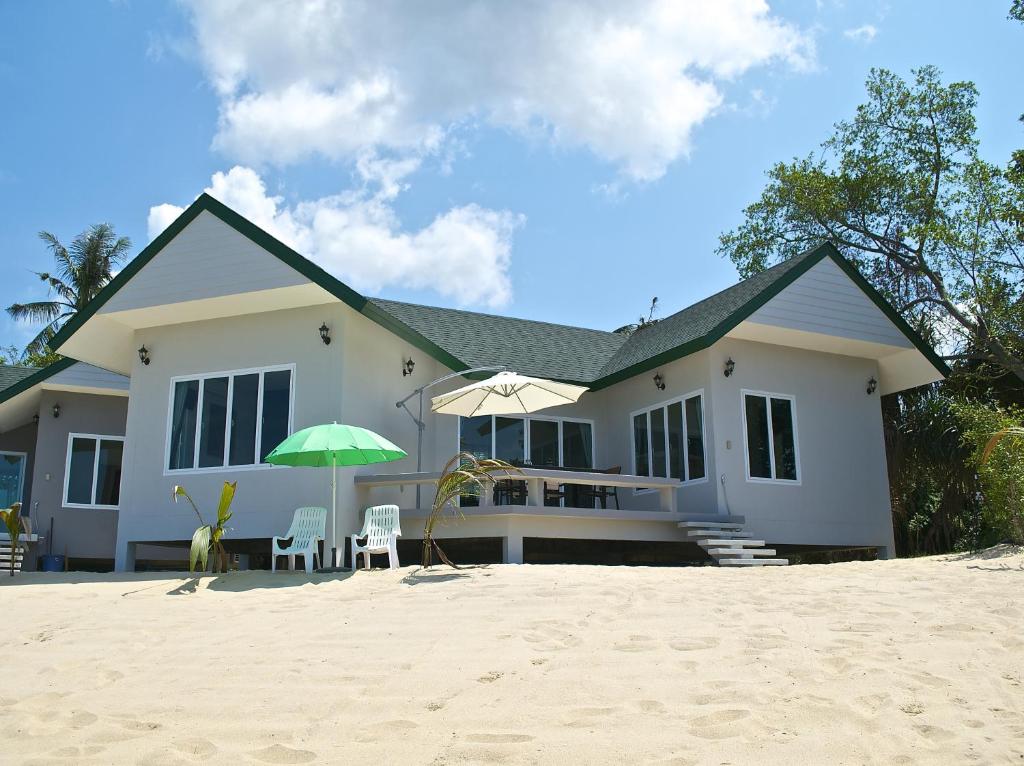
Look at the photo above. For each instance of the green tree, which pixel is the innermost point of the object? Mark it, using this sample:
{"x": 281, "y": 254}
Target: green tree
{"x": 901, "y": 190}
{"x": 83, "y": 268}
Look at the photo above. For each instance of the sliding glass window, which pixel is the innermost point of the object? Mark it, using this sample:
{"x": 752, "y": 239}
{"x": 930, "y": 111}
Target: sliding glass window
{"x": 770, "y": 433}
{"x": 668, "y": 440}
{"x": 228, "y": 419}
{"x": 92, "y": 472}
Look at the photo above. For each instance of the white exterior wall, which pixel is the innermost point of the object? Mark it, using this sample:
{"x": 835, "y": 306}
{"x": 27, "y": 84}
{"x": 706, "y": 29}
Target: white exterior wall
{"x": 843, "y": 494}
{"x": 355, "y": 380}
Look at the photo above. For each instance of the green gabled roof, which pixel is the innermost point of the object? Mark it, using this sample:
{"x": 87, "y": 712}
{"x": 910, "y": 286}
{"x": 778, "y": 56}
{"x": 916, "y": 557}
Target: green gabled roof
{"x": 11, "y": 374}
{"x": 464, "y": 339}
{"x": 557, "y": 352}
{"x": 15, "y": 380}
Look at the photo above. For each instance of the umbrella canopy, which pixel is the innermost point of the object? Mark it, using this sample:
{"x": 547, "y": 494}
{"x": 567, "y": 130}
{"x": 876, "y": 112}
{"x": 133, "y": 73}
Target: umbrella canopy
{"x": 506, "y": 393}
{"x": 333, "y": 444}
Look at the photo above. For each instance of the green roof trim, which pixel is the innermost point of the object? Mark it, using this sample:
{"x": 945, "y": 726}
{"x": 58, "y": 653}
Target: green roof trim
{"x": 34, "y": 379}
{"x": 775, "y": 279}
{"x": 463, "y": 339}
{"x": 240, "y": 224}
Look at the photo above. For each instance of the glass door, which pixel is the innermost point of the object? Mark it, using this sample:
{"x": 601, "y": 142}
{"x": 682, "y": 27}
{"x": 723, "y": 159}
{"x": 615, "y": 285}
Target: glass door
{"x": 12, "y": 478}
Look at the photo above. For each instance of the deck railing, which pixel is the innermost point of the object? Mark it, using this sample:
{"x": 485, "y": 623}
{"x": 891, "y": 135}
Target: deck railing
{"x": 536, "y": 478}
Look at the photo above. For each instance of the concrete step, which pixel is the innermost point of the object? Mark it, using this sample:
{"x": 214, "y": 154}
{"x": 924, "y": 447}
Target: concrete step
{"x": 741, "y": 552}
{"x": 698, "y": 525}
{"x": 753, "y": 562}
{"x": 695, "y": 534}
{"x": 733, "y": 544}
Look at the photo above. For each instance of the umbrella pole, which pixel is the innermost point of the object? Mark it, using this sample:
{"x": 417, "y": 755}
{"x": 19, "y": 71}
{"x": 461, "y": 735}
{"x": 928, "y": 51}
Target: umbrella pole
{"x": 334, "y": 509}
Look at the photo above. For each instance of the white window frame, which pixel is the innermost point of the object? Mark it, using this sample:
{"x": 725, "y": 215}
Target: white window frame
{"x": 768, "y": 396}
{"x": 646, "y": 410}
{"x": 95, "y": 470}
{"x": 526, "y": 441}
{"x": 21, "y": 473}
{"x": 230, "y": 375}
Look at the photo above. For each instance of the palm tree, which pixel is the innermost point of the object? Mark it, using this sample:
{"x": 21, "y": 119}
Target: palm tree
{"x": 82, "y": 271}
{"x": 464, "y": 475}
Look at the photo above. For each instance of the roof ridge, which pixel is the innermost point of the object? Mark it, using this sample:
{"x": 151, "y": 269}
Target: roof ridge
{"x": 492, "y": 316}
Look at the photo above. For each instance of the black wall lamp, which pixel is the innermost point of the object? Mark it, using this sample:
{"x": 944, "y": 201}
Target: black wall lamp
{"x": 325, "y": 334}
{"x": 730, "y": 366}
{"x": 408, "y": 366}
{"x": 144, "y": 355}
{"x": 659, "y": 382}
{"x": 56, "y": 410}
{"x": 872, "y": 385}
{"x": 35, "y": 418}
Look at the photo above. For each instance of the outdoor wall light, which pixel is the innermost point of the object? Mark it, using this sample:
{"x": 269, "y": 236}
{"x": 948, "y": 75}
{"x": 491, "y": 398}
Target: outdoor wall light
{"x": 872, "y": 385}
{"x": 144, "y": 354}
{"x": 325, "y": 334}
{"x": 56, "y": 410}
{"x": 35, "y": 418}
{"x": 730, "y": 365}
{"x": 408, "y": 367}
{"x": 659, "y": 382}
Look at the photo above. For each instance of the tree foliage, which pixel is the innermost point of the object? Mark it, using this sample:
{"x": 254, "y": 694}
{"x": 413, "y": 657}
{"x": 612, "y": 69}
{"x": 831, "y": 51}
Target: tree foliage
{"x": 903, "y": 193}
{"x": 82, "y": 269}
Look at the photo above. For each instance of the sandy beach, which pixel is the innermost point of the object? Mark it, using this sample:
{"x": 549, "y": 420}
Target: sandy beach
{"x": 910, "y": 661}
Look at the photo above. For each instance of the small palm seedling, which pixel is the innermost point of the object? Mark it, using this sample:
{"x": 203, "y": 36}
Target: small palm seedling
{"x": 11, "y": 518}
{"x": 208, "y": 536}
{"x": 464, "y": 475}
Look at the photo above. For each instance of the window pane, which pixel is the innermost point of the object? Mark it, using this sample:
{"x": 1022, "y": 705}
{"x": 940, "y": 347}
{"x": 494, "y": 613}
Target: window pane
{"x": 782, "y": 439}
{"x": 543, "y": 442}
{"x": 757, "y": 437}
{"x": 695, "y": 437}
{"x": 212, "y": 422}
{"x": 80, "y": 471}
{"x": 242, "y": 447}
{"x": 12, "y": 474}
{"x": 183, "y": 424}
{"x": 108, "y": 479}
{"x": 577, "y": 445}
{"x": 642, "y": 463}
{"x": 509, "y": 439}
{"x": 276, "y": 398}
{"x": 675, "y": 440}
{"x": 474, "y": 438}
{"x": 658, "y": 442}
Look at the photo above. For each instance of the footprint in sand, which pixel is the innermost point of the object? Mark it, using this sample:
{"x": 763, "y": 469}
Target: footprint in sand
{"x": 499, "y": 739}
{"x": 719, "y": 725}
{"x": 650, "y": 706}
{"x": 694, "y": 644}
{"x": 282, "y": 754}
{"x": 635, "y": 644}
{"x": 78, "y": 752}
{"x": 196, "y": 747}
{"x": 386, "y": 730}
{"x": 490, "y": 678}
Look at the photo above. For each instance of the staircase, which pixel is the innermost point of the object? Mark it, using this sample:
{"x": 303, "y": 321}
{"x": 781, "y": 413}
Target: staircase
{"x": 727, "y": 543}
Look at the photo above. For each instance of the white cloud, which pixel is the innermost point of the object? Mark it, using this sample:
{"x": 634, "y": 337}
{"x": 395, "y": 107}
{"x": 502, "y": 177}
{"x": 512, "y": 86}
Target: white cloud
{"x": 862, "y": 34}
{"x": 628, "y": 81}
{"x": 463, "y": 254}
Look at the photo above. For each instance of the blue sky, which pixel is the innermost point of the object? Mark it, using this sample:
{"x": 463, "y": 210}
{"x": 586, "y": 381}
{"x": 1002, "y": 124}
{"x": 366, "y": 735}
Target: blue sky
{"x": 560, "y": 164}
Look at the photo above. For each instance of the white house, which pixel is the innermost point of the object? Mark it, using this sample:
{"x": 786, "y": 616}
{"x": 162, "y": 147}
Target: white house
{"x": 757, "y": 406}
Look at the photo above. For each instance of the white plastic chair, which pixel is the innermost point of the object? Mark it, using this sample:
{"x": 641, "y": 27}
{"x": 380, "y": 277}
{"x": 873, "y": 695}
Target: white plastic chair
{"x": 309, "y": 527}
{"x": 381, "y": 530}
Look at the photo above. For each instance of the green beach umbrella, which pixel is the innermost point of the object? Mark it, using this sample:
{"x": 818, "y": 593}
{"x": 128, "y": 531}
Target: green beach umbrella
{"x": 333, "y": 444}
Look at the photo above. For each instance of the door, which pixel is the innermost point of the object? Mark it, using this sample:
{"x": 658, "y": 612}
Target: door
{"x": 12, "y": 478}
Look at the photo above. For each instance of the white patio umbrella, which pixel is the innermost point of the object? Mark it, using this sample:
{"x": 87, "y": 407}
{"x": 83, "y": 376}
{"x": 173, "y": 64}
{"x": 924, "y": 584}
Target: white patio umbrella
{"x": 506, "y": 393}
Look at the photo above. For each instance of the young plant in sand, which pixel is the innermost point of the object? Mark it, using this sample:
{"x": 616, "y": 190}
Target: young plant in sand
{"x": 11, "y": 518}
{"x": 208, "y": 536}
{"x": 464, "y": 475}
